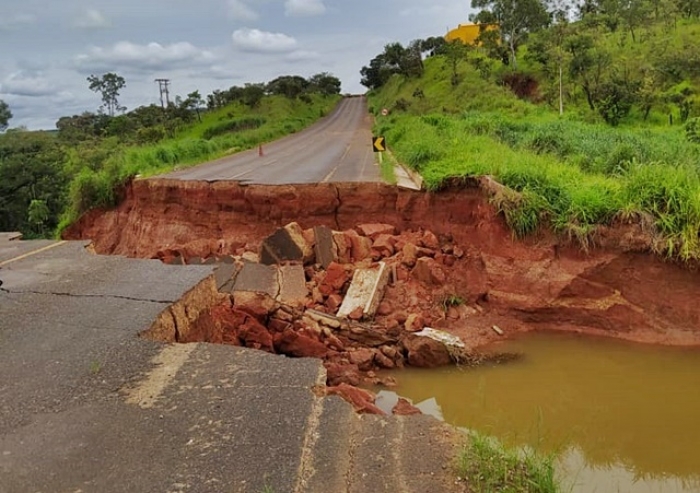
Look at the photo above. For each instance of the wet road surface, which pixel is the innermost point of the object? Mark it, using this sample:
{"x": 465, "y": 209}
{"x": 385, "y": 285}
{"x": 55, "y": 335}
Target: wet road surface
{"x": 335, "y": 149}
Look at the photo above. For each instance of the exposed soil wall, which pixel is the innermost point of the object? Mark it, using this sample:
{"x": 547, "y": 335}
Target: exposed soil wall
{"x": 617, "y": 288}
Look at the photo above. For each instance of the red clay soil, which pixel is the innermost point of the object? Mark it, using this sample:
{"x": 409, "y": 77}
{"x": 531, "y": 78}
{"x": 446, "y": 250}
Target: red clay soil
{"x": 618, "y": 288}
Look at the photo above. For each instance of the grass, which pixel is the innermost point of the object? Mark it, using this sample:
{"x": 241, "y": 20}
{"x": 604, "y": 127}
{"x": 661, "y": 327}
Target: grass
{"x": 564, "y": 174}
{"x": 487, "y": 467}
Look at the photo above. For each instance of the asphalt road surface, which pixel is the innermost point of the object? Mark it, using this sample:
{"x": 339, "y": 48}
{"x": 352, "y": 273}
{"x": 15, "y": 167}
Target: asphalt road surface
{"x": 336, "y": 149}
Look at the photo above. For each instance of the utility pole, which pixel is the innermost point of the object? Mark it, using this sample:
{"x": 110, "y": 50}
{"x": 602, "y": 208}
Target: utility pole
{"x": 163, "y": 86}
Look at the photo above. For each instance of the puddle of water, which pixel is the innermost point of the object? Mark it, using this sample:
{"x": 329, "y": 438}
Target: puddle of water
{"x": 623, "y": 417}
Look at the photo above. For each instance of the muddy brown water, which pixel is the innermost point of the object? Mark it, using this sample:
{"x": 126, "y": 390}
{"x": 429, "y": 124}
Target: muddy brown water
{"x": 622, "y": 417}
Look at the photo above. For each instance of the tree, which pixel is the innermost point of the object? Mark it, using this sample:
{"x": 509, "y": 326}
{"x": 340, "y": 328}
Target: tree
{"x": 290, "y": 86}
{"x": 516, "y": 19}
{"x": 5, "y": 115}
{"x": 394, "y": 60}
{"x": 455, "y": 52}
{"x": 194, "y": 102}
{"x": 325, "y": 83}
{"x": 108, "y": 86}
{"x": 252, "y": 94}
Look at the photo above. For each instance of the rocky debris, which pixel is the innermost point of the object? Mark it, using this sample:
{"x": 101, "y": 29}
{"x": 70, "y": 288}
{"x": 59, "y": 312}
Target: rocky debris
{"x": 326, "y": 294}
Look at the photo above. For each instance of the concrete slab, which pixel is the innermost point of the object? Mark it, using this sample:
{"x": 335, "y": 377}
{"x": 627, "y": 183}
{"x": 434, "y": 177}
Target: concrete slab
{"x": 366, "y": 291}
{"x": 280, "y": 247}
{"x": 225, "y": 275}
{"x": 292, "y": 285}
{"x": 325, "y": 248}
{"x": 258, "y": 278}
{"x": 286, "y": 245}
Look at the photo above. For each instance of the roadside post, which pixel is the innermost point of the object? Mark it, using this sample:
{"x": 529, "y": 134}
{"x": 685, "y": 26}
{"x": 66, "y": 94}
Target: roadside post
{"x": 379, "y": 146}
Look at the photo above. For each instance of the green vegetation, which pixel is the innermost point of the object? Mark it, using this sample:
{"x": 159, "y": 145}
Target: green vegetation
{"x": 618, "y": 143}
{"x": 487, "y": 467}
{"x": 48, "y": 179}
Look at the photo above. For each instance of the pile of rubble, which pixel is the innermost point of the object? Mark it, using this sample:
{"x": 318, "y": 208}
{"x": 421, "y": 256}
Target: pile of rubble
{"x": 332, "y": 295}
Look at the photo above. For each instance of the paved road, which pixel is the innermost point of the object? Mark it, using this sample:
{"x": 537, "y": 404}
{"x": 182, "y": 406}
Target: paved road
{"x": 86, "y": 406}
{"x": 336, "y": 149}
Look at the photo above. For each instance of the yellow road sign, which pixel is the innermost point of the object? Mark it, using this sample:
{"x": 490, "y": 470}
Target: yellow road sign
{"x": 378, "y": 144}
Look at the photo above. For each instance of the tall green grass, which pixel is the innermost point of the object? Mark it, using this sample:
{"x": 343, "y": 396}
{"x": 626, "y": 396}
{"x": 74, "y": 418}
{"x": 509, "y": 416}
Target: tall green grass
{"x": 488, "y": 467}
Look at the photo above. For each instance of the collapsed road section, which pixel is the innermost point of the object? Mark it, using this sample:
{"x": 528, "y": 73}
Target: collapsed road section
{"x": 476, "y": 281}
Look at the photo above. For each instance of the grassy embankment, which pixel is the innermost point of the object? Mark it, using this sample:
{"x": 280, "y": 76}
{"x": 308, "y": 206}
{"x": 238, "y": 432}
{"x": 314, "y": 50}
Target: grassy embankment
{"x": 234, "y": 128}
{"x": 571, "y": 175}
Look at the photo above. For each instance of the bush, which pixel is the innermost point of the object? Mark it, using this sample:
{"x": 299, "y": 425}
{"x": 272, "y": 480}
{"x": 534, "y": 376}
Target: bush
{"x": 237, "y": 125}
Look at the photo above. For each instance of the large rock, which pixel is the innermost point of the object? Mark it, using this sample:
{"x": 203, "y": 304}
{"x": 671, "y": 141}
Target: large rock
{"x": 299, "y": 344}
{"x": 424, "y": 352}
{"x": 259, "y": 305}
{"x": 252, "y": 333}
{"x": 374, "y": 230}
{"x": 363, "y": 358}
{"x": 429, "y": 272}
{"x": 405, "y": 408}
{"x": 338, "y": 372}
{"x": 384, "y": 244}
{"x": 361, "y": 400}
{"x": 360, "y": 246}
{"x": 336, "y": 277}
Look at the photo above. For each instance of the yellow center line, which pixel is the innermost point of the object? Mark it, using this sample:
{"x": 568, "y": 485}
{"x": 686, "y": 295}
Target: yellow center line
{"x": 34, "y": 252}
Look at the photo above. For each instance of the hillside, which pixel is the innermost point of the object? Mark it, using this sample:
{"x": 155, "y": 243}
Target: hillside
{"x": 570, "y": 172}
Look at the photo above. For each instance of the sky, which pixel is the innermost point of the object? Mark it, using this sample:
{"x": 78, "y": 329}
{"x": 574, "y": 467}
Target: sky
{"x": 50, "y": 47}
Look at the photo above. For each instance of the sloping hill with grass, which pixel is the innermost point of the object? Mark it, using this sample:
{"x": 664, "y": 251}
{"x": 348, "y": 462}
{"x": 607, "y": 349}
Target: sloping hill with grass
{"x": 566, "y": 173}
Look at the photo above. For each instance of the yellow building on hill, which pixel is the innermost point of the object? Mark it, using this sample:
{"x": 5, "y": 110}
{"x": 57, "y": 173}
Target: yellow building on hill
{"x": 468, "y": 33}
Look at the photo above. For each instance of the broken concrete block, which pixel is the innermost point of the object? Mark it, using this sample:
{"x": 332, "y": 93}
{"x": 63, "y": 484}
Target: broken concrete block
{"x": 326, "y": 249}
{"x": 366, "y": 291}
{"x": 441, "y": 336}
{"x": 292, "y": 285}
{"x": 286, "y": 244}
{"x": 258, "y": 278}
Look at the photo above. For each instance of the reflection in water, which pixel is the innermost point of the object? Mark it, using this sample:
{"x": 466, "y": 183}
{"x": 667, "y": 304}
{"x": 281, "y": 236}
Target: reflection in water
{"x": 624, "y": 417}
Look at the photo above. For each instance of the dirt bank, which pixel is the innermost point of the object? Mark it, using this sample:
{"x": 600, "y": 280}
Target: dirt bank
{"x": 616, "y": 289}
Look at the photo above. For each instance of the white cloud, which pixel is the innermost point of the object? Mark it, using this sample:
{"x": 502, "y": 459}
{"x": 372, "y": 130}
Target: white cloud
{"x": 16, "y": 21}
{"x": 256, "y": 41}
{"x": 152, "y": 56}
{"x": 239, "y": 10}
{"x": 91, "y": 19}
{"x": 304, "y": 7}
{"x": 303, "y": 55}
{"x": 27, "y": 84}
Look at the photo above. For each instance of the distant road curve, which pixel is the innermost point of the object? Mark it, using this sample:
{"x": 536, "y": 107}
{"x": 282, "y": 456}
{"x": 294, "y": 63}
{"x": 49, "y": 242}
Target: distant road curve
{"x": 335, "y": 149}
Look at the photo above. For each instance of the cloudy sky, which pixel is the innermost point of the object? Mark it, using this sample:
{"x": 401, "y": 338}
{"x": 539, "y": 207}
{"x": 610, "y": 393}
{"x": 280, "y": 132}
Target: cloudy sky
{"x": 50, "y": 47}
